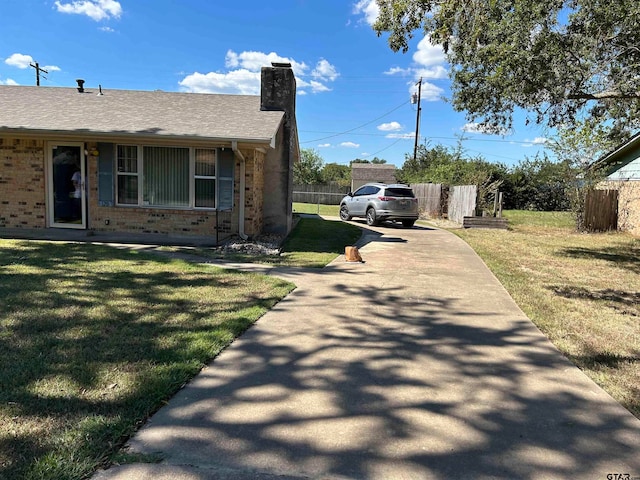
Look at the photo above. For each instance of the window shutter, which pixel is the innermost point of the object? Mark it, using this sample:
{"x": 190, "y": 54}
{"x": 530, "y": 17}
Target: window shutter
{"x": 105, "y": 174}
{"x": 226, "y": 162}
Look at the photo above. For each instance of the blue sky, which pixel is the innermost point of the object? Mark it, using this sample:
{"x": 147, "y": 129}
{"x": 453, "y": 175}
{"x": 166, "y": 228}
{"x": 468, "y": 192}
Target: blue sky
{"x": 353, "y": 91}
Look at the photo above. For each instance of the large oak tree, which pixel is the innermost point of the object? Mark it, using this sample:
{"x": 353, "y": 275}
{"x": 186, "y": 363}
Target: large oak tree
{"x": 560, "y": 60}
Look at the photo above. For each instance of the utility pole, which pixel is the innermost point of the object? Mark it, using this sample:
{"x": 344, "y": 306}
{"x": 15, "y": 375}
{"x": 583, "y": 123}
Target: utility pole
{"x": 38, "y": 70}
{"x": 416, "y": 99}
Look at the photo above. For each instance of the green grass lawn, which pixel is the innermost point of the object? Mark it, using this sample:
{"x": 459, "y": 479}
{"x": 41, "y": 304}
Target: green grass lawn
{"x": 95, "y": 339}
{"x": 519, "y": 218}
{"x": 581, "y": 290}
{"x": 324, "y": 210}
{"x": 313, "y": 243}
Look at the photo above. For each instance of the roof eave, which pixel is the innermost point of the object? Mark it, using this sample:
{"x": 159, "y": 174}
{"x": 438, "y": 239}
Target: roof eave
{"x": 607, "y": 158}
{"x": 89, "y": 134}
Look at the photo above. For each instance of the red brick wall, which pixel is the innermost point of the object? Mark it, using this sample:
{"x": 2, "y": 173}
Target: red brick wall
{"x": 157, "y": 220}
{"x": 23, "y": 187}
{"x": 628, "y": 205}
{"x": 22, "y": 183}
{"x": 254, "y": 192}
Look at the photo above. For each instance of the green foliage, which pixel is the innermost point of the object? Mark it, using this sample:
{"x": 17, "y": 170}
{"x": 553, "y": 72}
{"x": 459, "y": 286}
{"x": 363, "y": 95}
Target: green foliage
{"x": 336, "y": 174}
{"x": 309, "y": 169}
{"x": 539, "y": 184}
{"x": 579, "y": 146}
{"x": 560, "y": 60}
{"x": 448, "y": 166}
{"x": 374, "y": 161}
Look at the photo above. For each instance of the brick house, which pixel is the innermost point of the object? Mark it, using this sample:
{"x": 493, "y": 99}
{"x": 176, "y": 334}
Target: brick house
{"x": 149, "y": 161}
{"x": 622, "y": 167}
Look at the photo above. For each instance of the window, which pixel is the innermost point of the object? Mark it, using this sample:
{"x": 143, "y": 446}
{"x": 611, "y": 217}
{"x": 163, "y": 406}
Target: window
{"x": 175, "y": 177}
{"x": 166, "y": 177}
{"x": 398, "y": 192}
{"x": 205, "y": 178}
{"x": 127, "y": 162}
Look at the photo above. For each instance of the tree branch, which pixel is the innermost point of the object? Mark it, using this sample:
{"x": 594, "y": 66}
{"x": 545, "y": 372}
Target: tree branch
{"x": 602, "y": 95}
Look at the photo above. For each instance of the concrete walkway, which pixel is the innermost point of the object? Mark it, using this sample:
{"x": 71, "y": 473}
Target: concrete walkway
{"x": 413, "y": 365}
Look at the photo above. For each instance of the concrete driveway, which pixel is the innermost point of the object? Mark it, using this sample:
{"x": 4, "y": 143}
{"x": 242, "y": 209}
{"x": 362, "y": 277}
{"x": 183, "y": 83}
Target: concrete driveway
{"x": 413, "y": 365}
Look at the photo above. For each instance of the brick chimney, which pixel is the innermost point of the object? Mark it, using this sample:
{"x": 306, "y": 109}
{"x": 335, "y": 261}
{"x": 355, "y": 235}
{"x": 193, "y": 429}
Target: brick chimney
{"x": 278, "y": 88}
{"x": 278, "y": 92}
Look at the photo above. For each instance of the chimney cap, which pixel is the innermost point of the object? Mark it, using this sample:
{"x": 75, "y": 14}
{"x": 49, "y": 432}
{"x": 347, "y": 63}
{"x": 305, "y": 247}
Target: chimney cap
{"x": 281, "y": 65}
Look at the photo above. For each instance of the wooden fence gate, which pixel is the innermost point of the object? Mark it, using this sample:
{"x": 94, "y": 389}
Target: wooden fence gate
{"x": 601, "y": 210}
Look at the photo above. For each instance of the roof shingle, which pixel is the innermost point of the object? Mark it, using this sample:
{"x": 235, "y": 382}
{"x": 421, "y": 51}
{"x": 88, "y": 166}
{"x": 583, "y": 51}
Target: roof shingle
{"x": 136, "y": 113}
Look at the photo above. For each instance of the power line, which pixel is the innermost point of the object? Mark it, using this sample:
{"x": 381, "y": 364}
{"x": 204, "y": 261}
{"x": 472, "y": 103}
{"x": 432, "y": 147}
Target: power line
{"x": 383, "y": 149}
{"x": 517, "y": 142}
{"x": 360, "y": 126}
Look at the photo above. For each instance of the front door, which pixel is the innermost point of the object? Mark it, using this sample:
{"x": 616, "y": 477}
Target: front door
{"x": 67, "y": 192}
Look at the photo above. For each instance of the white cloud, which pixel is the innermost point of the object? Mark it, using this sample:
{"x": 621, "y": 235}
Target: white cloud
{"x": 243, "y": 82}
{"x": 22, "y": 61}
{"x": 429, "y": 62}
{"x": 368, "y": 8}
{"x": 434, "y": 73}
{"x": 535, "y": 141}
{"x": 243, "y": 75}
{"x": 390, "y": 127}
{"x": 94, "y": 9}
{"x": 8, "y": 81}
{"x": 428, "y": 93}
{"x": 429, "y": 55}
{"x": 324, "y": 145}
{"x": 325, "y": 71}
{"x": 316, "y": 87}
{"x": 398, "y": 71}
{"x": 350, "y": 145}
{"x": 405, "y": 136}
{"x": 107, "y": 29}
{"x": 254, "y": 61}
{"x": 19, "y": 60}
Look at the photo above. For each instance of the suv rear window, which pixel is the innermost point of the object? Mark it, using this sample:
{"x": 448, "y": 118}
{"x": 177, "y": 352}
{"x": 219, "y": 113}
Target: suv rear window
{"x": 398, "y": 192}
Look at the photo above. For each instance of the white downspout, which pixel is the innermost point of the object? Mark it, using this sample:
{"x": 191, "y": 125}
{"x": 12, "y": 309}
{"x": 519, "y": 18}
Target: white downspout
{"x": 234, "y": 147}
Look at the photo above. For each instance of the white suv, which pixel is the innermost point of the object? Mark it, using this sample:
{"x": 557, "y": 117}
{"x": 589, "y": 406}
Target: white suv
{"x": 378, "y": 202}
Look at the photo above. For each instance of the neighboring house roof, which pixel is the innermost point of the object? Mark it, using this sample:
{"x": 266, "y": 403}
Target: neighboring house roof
{"x": 373, "y": 172}
{"x": 622, "y": 163}
{"x": 54, "y": 110}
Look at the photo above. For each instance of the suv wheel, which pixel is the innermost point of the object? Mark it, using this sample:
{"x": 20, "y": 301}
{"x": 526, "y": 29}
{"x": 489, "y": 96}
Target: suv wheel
{"x": 344, "y": 213}
{"x": 408, "y": 223}
{"x": 372, "y": 219}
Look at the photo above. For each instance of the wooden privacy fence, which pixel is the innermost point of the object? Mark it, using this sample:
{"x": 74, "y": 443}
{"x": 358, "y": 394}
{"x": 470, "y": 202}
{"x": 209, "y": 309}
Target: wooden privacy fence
{"x": 434, "y": 199}
{"x": 601, "y": 210}
{"x": 323, "y": 194}
{"x": 462, "y": 202}
{"x": 429, "y": 197}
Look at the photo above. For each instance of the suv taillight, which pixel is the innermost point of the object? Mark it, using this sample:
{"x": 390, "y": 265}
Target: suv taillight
{"x": 386, "y": 199}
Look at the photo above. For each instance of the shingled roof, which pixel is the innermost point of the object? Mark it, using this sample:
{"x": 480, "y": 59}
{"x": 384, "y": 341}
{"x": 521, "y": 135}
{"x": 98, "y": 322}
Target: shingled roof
{"x": 373, "y": 172}
{"x": 54, "y": 110}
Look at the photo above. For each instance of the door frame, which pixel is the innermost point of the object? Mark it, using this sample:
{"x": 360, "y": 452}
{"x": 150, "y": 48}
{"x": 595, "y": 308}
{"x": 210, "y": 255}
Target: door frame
{"x": 50, "y": 186}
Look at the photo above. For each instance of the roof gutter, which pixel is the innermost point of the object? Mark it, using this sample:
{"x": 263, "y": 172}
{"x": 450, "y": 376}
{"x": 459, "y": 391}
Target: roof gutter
{"x": 118, "y": 136}
{"x": 238, "y": 154}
